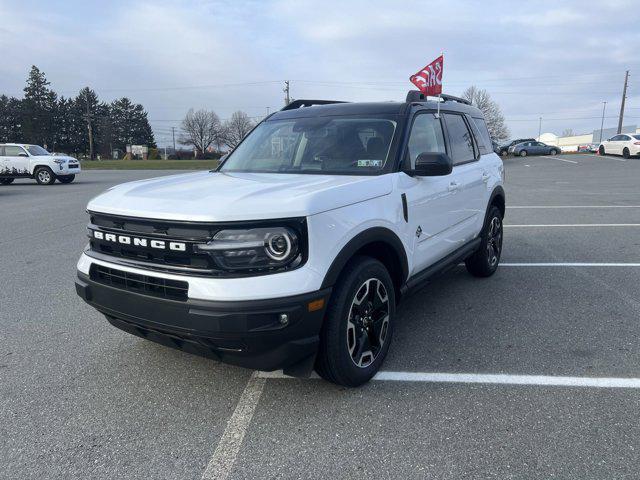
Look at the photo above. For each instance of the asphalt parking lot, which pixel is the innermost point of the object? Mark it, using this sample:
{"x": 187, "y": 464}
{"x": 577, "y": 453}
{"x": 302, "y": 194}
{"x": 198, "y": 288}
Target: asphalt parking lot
{"x": 81, "y": 399}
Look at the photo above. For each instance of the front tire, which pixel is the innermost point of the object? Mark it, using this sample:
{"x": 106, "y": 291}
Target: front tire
{"x": 66, "y": 178}
{"x": 504, "y": 153}
{"x": 601, "y": 150}
{"x": 358, "y": 325}
{"x": 6, "y": 181}
{"x": 553, "y": 152}
{"x": 44, "y": 176}
{"x": 523, "y": 153}
{"x": 484, "y": 262}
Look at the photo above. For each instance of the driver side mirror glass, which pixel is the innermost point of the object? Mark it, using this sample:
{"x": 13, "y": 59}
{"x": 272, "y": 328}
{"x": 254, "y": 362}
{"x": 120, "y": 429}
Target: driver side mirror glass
{"x": 432, "y": 164}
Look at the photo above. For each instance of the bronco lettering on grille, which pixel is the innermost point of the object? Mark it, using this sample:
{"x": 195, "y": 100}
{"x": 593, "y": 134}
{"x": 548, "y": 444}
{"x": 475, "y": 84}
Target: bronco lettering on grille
{"x": 140, "y": 242}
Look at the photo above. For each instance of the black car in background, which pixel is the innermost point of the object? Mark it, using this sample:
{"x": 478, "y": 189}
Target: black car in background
{"x": 504, "y": 149}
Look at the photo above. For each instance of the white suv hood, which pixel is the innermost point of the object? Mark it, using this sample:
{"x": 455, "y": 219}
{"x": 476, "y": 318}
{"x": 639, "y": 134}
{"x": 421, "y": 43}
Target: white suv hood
{"x": 207, "y": 196}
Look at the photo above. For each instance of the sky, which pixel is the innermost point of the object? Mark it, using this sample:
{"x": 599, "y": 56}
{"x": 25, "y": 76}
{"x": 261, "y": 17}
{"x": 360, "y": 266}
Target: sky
{"x": 551, "y": 59}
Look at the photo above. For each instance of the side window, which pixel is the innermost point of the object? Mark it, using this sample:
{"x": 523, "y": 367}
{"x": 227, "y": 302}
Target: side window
{"x": 459, "y": 138}
{"x": 617, "y": 138}
{"x": 481, "y": 132}
{"x": 1, "y": 151}
{"x": 13, "y": 151}
{"x": 625, "y": 138}
{"x": 426, "y": 137}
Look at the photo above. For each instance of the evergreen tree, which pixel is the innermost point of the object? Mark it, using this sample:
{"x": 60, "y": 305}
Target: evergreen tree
{"x": 10, "y": 119}
{"x": 38, "y": 109}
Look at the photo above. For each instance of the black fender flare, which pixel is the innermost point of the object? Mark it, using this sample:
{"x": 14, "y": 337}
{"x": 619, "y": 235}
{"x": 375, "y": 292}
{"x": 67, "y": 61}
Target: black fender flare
{"x": 371, "y": 235}
{"x": 497, "y": 192}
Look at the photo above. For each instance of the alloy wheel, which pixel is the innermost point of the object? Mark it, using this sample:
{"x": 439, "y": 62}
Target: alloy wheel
{"x": 368, "y": 322}
{"x": 494, "y": 241}
{"x": 44, "y": 176}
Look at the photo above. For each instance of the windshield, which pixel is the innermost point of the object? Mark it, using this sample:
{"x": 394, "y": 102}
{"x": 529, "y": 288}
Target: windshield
{"x": 328, "y": 145}
{"x": 36, "y": 150}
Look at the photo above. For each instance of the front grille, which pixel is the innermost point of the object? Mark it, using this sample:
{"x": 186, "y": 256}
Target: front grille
{"x": 143, "y": 284}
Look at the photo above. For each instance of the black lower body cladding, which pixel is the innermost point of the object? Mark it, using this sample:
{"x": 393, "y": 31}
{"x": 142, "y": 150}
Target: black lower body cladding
{"x": 251, "y": 334}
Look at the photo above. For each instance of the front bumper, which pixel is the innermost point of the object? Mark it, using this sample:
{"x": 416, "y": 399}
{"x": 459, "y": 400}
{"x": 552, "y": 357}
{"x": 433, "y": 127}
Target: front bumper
{"x": 244, "y": 333}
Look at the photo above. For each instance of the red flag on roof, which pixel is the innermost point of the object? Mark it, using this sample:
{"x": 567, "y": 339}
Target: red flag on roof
{"x": 429, "y": 79}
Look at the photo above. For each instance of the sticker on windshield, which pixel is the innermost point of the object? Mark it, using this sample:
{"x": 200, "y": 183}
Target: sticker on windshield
{"x": 370, "y": 163}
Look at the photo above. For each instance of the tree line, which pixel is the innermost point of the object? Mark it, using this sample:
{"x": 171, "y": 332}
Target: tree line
{"x": 80, "y": 125}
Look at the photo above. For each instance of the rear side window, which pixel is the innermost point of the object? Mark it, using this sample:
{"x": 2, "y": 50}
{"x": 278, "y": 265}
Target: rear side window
{"x": 482, "y": 134}
{"x": 460, "y": 139}
{"x": 426, "y": 137}
{"x": 11, "y": 151}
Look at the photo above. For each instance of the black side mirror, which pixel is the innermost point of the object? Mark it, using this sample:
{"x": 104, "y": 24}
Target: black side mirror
{"x": 432, "y": 164}
{"x": 23, "y": 154}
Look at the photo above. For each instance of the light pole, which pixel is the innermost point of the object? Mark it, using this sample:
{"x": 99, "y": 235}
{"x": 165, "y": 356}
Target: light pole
{"x": 604, "y": 105}
{"x": 540, "y": 129}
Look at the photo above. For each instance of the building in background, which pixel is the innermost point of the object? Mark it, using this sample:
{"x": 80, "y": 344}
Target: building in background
{"x": 570, "y": 143}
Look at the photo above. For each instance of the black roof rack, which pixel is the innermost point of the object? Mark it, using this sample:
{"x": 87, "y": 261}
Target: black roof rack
{"x": 307, "y": 103}
{"x": 417, "y": 96}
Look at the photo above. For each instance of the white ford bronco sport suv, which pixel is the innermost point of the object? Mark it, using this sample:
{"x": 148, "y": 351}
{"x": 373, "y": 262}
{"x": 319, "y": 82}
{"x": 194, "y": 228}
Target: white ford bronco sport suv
{"x": 295, "y": 251}
{"x": 18, "y": 160}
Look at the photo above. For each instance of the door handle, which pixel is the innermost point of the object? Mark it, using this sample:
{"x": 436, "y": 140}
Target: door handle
{"x": 453, "y": 186}
{"x": 485, "y": 177}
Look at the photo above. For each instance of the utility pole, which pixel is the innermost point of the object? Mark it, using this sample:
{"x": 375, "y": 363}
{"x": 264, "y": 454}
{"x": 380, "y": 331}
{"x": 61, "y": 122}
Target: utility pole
{"x": 88, "y": 116}
{"x": 604, "y": 105}
{"x": 173, "y": 134}
{"x": 287, "y": 98}
{"x": 540, "y": 129}
{"x": 624, "y": 96}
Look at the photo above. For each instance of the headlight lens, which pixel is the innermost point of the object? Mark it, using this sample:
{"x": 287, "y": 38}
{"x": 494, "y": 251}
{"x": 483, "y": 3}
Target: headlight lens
{"x": 59, "y": 161}
{"x": 254, "y": 249}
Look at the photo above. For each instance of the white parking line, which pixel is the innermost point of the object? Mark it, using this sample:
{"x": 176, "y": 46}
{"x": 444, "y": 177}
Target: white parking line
{"x": 571, "y": 225}
{"x": 569, "y": 264}
{"x": 225, "y": 454}
{"x": 493, "y": 379}
{"x": 559, "y": 159}
{"x": 605, "y": 156}
{"x": 570, "y": 206}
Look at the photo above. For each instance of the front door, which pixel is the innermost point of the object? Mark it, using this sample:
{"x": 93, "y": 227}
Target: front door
{"x": 431, "y": 206}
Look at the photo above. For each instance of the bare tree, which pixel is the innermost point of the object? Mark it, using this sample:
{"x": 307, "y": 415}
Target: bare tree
{"x": 202, "y": 129}
{"x": 236, "y": 128}
{"x": 492, "y": 113}
{"x": 567, "y": 132}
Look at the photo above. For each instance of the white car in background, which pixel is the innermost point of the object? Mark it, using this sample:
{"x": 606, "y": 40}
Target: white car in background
{"x": 625, "y": 144}
{"x": 19, "y": 160}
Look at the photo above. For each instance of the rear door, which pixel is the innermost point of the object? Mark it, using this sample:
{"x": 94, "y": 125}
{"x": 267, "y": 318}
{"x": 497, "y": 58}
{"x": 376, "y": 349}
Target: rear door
{"x": 467, "y": 177}
{"x": 615, "y": 145}
{"x": 16, "y": 160}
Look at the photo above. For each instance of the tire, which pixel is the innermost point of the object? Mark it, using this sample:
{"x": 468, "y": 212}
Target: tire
{"x": 355, "y": 337}
{"x": 66, "y": 178}
{"x": 6, "y": 181}
{"x": 504, "y": 153}
{"x": 601, "y": 150}
{"x": 44, "y": 176}
{"x": 553, "y": 152}
{"x": 523, "y": 153}
{"x": 484, "y": 262}
{"x": 626, "y": 153}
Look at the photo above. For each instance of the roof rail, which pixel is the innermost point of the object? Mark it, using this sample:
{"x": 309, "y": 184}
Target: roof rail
{"x": 307, "y": 103}
{"x": 417, "y": 96}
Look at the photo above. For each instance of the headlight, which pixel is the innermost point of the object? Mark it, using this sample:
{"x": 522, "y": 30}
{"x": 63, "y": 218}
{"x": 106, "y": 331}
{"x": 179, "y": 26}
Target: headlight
{"x": 59, "y": 161}
{"x": 263, "y": 248}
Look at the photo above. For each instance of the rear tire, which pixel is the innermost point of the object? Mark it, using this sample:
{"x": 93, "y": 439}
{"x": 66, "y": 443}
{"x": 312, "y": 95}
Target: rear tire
{"x": 66, "y": 178}
{"x": 484, "y": 262}
{"x": 626, "y": 153}
{"x": 44, "y": 176}
{"x": 358, "y": 324}
{"x": 6, "y": 181}
{"x": 523, "y": 153}
{"x": 504, "y": 153}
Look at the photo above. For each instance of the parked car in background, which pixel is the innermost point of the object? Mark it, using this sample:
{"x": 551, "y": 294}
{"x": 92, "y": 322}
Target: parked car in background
{"x": 625, "y": 144}
{"x": 19, "y": 160}
{"x": 504, "y": 149}
{"x": 533, "y": 148}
